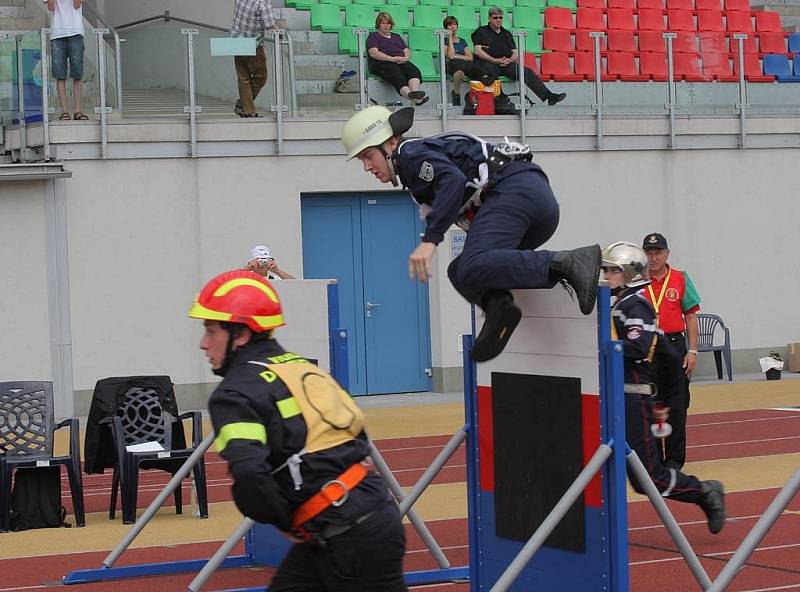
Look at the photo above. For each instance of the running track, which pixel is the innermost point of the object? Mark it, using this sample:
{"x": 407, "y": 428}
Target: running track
{"x": 655, "y": 566}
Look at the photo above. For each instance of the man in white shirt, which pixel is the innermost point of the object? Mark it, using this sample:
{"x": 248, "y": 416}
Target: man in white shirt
{"x": 263, "y": 263}
{"x": 66, "y": 45}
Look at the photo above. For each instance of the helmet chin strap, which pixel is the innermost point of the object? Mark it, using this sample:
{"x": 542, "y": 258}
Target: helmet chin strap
{"x": 390, "y": 164}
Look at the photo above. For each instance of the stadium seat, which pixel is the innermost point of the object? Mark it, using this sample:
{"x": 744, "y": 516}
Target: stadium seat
{"x": 796, "y": 64}
{"x": 556, "y": 66}
{"x": 659, "y": 4}
{"x": 743, "y": 5}
{"x": 778, "y": 65}
{"x": 540, "y": 4}
{"x": 327, "y": 17}
{"x": 533, "y": 41}
{"x": 739, "y": 22}
{"x": 708, "y": 5}
{"x": 710, "y": 20}
{"x": 424, "y": 61}
{"x": 680, "y": 5}
{"x": 752, "y": 69}
{"x": 378, "y": 4}
{"x": 794, "y": 42}
{"x": 772, "y": 43}
{"x": 685, "y": 42}
{"x": 653, "y": 65}
{"x": 466, "y": 16}
{"x": 622, "y": 41}
{"x": 621, "y": 19}
{"x": 423, "y": 40}
{"x": 585, "y": 66}
{"x": 470, "y": 3}
{"x": 302, "y": 4}
{"x": 399, "y": 15}
{"x": 768, "y": 21}
{"x": 440, "y": 3}
{"x": 623, "y": 65}
{"x": 428, "y": 17}
{"x": 528, "y": 19}
{"x": 402, "y": 2}
{"x": 590, "y": 19}
{"x": 348, "y": 41}
{"x": 627, "y": 4}
{"x": 591, "y": 4}
{"x": 680, "y": 20}
{"x": 557, "y": 40}
{"x": 652, "y": 41}
{"x": 718, "y": 67}
{"x": 531, "y": 61}
{"x": 685, "y": 66}
{"x": 584, "y": 42}
{"x": 749, "y": 44}
{"x": 651, "y": 19}
{"x": 336, "y": 2}
{"x": 558, "y": 18}
{"x": 359, "y": 15}
{"x": 713, "y": 42}
{"x": 570, "y": 4}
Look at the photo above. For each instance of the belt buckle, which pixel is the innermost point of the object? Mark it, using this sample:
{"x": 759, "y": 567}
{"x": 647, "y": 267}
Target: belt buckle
{"x": 341, "y": 500}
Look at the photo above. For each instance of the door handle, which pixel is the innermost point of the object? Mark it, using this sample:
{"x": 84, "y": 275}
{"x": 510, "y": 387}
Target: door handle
{"x": 370, "y": 306}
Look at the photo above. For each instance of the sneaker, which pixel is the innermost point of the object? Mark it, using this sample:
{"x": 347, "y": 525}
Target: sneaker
{"x": 581, "y": 269}
{"x": 416, "y": 95}
{"x": 502, "y": 317}
{"x": 455, "y": 98}
{"x": 556, "y": 98}
{"x": 713, "y": 505}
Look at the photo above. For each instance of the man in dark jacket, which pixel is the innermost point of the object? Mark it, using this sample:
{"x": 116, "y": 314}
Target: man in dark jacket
{"x": 295, "y": 447}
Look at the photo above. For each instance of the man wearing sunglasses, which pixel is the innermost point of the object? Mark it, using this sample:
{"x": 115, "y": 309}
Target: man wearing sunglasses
{"x": 497, "y": 53}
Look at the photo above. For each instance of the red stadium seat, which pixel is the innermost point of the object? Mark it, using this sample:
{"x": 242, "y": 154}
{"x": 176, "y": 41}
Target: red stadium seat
{"x": 557, "y": 40}
{"x": 585, "y": 67}
{"x": 708, "y": 5}
{"x": 686, "y": 67}
{"x": 557, "y": 17}
{"x": 718, "y": 67}
{"x": 653, "y": 65}
{"x": 623, "y": 65}
{"x": 685, "y": 42}
{"x": 621, "y": 19}
{"x": 621, "y": 41}
{"x": 591, "y": 4}
{"x": 680, "y": 5}
{"x": 680, "y": 20}
{"x": 629, "y": 4}
{"x": 743, "y": 5}
{"x": 583, "y": 42}
{"x": 590, "y": 19}
{"x": 739, "y": 22}
{"x": 556, "y": 66}
{"x": 768, "y": 21}
{"x": 531, "y": 62}
{"x": 772, "y": 43}
{"x": 659, "y": 4}
{"x": 651, "y": 19}
{"x": 713, "y": 43}
{"x": 749, "y": 44}
{"x": 752, "y": 69}
{"x": 652, "y": 41}
{"x": 710, "y": 20}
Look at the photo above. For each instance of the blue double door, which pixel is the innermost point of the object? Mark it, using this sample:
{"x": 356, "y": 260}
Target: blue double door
{"x": 363, "y": 241}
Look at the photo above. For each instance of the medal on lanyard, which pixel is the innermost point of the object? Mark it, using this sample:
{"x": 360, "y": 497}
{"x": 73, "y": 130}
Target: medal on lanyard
{"x": 657, "y": 301}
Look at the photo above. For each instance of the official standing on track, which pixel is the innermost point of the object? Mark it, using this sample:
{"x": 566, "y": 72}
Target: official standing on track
{"x": 296, "y": 448}
{"x": 625, "y": 268}
{"x": 676, "y": 302}
{"x": 495, "y": 193}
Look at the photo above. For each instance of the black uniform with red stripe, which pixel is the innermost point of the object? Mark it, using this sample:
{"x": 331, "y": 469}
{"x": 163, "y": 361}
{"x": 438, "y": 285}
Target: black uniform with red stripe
{"x": 366, "y": 543}
{"x": 635, "y": 323}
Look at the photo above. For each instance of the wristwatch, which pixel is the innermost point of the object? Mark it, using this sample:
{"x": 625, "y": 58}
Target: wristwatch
{"x": 692, "y": 351}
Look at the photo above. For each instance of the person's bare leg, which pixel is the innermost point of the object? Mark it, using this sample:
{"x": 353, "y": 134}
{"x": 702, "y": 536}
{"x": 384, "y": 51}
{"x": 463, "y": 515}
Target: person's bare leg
{"x": 77, "y": 94}
{"x": 61, "y": 88}
{"x": 404, "y": 92}
{"x": 458, "y": 78}
{"x": 413, "y": 84}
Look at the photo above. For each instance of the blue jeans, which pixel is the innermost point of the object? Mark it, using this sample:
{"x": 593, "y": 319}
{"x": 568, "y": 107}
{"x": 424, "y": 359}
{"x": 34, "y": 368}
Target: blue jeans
{"x": 63, "y": 49}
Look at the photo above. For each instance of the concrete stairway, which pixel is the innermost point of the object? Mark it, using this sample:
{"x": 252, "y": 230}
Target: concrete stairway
{"x": 169, "y": 103}
{"x": 21, "y": 15}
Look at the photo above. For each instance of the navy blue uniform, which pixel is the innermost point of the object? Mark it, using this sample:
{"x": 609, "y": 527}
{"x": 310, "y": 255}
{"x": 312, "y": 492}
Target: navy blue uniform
{"x": 635, "y": 323}
{"x": 518, "y": 212}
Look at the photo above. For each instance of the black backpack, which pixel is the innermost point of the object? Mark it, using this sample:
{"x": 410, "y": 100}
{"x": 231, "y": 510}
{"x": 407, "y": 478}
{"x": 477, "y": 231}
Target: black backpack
{"x": 36, "y": 499}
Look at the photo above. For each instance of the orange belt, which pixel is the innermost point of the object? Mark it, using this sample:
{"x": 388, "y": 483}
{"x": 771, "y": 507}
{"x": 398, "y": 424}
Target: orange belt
{"x": 334, "y": 493}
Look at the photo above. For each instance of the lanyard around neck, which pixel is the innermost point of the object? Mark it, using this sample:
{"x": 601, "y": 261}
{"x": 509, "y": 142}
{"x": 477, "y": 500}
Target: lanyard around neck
{"x": 657, "y": 302}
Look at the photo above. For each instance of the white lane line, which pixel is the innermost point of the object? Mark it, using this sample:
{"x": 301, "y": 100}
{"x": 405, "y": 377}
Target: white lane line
{"x": 754, "y": 419}
{"x": 718, "y": 554}
{"x": 734, "y": 443}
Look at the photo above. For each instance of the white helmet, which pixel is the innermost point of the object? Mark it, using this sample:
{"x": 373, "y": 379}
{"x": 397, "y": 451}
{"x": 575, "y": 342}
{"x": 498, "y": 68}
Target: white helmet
{"x": 631, "y": 259}
{"x": 373, "y": 126}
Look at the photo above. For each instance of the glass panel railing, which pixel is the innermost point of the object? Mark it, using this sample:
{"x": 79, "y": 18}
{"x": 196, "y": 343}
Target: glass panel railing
{"x": 7, "y": 78}
{"x": 30, "y": 46}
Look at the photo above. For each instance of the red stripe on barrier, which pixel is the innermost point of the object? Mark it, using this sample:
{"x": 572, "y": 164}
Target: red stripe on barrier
{"x": 486, "y": 438}
{"x": 590, "y": 408}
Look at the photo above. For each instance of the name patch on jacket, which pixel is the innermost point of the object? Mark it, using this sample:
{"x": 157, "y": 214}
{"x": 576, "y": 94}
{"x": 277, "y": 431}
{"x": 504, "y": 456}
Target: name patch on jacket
{"x": 426, "y": 172}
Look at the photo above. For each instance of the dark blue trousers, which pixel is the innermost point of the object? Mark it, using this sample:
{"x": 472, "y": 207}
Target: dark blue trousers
{"x": 518, "y": 215}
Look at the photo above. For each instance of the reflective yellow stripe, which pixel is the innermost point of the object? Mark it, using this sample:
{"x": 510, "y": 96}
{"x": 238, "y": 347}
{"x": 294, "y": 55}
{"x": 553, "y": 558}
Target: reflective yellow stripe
{"x": 198, "y": 311}
{"x": 231, "y": 284}
{"x": 242, "y": 430}
{"x": 270, "y": 321}
{"x": 288, "y": 407}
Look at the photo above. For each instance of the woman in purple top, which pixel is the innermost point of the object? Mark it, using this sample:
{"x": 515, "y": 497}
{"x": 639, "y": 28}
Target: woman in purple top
{"x": 389, "y": 60}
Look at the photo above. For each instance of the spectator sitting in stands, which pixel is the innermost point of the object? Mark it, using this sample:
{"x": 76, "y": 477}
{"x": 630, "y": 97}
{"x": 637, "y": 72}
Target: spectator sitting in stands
{"x": 459, "y": 59}
{"x": 389, "y": 59}
{"x": 263, "y": 263}
{"x": 497, "y": 53}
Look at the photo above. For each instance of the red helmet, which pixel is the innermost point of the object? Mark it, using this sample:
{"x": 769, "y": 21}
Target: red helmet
{"x": 239, "y": 297}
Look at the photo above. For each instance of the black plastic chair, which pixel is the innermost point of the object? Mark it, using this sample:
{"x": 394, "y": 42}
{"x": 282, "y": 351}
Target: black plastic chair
{"x": 141, "y": 419}
{"x": 27, "y": 425}
{"x": 705, "y": 341}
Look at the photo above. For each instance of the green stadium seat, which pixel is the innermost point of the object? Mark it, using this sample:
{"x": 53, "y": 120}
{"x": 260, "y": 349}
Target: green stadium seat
{"x": 427, "y": 17}
{"x": 301, "y": 4}
{"x": 473, "y": 3}
{"x": 563, "y": 3}
{"x": 466, "y": 16}
{"x": 326, "y": 17}
{"x": 533, "y": 41}
{"x": 504, "y": 4}
{"x": 359, "y": 15}
{"x": 435, "y": 2}
{"x": 529, "y": 19}
{"x": 403, "y": 2}
{"x": 424, "y": 61}
{"x": 377, "y": 4}
{"x": 348, "y": 41}
{"x": 336, "y": 2}
{"x": 423, "y": 40}
{"x": 540, "y": 4}
{"x": 399, "y": 15}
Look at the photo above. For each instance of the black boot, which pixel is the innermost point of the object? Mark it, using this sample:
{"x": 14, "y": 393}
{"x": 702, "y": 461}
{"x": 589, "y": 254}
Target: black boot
{"x": 502, "y": 317}
{"x": 713, "y": 505}
{"x": 581, "y": 269}
{"x": 455, "y": 98}
{"x": 556, "y": 98}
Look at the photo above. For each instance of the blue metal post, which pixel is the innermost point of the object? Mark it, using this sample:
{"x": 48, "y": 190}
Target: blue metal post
{"x": 473, "y": 460}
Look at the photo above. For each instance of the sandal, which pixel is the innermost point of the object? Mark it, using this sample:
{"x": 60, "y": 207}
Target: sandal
{"x": 80, "y": 117}
{"x": 65, "y": 116}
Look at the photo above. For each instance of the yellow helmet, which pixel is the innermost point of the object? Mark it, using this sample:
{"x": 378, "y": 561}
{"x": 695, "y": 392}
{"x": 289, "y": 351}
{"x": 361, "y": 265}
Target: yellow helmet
{"x": 373, "y": 126}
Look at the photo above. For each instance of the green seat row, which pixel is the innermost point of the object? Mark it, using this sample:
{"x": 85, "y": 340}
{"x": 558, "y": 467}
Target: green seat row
{"x": 444, "y": 4}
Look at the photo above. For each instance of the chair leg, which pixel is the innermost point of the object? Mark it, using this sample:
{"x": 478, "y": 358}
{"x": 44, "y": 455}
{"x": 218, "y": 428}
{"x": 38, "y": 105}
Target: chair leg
{"x": 200, "y": 485}
{"x": 718, "y": 362}
{"x": 76, "y": 491}
{"x": 178, "y": 495}
{"x": 5, "y": 497}
{"x": 728, "y": 363}
{"x": 130, "y": 491}
{"x": 112, "y": 505}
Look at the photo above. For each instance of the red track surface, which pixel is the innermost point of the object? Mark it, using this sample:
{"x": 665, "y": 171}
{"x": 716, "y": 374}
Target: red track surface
{"x": 655, "y": 564}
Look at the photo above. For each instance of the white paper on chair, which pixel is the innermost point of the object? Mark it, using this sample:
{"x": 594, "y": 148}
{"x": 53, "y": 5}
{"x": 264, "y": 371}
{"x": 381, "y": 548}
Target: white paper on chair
{"x": 145, "y": 447}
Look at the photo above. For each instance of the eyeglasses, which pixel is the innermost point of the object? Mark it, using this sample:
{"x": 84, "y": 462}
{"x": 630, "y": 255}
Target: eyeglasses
{"x": 607, "y": 269}
{"x": 498, "y": 18}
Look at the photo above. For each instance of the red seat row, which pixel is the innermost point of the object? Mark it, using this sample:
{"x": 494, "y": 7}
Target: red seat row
{"x": 743, "y": 5}
{"x": 709, "y": 42}
{"x": 618, "y": 65}
{"x": 652, "y": 19}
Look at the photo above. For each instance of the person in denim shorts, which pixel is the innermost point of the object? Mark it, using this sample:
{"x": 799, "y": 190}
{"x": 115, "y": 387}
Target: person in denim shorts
{"x": 66, "y": 46}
